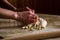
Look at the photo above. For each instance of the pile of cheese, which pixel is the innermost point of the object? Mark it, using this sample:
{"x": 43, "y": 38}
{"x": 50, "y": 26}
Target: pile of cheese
{"x": 39, "y": 25}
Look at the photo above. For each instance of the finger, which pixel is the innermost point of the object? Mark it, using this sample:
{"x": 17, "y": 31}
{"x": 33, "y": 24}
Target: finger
{"x": 33, "y": 11}
{"x": 28, "y": 9}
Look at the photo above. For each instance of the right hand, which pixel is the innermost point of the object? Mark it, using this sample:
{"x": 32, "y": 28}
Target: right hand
{"x": 27, "y": 16}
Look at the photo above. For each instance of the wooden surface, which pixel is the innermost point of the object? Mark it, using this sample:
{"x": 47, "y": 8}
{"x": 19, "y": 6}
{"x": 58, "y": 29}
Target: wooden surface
{"x": 15, "y": 33}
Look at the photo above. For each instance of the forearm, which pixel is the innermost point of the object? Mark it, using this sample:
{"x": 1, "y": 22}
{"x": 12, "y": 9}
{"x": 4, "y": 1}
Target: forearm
{"x": 7, "y": 13}
{"x": 10, "y": 4}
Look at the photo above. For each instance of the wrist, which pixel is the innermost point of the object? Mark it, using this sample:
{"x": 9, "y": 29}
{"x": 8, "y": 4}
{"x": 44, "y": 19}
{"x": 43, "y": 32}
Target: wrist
{"x": 15, "y": 16}
{"x": 18, "y": 16}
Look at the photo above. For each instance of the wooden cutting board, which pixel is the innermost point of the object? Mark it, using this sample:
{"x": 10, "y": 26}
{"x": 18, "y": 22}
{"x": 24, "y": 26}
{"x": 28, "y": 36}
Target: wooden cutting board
{"x": 32, "y": 35}
{"x": 52, "y": 30}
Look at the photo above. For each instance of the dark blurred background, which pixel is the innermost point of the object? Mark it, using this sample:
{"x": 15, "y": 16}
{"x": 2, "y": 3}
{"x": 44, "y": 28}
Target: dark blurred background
{"x": 40, "y": 6}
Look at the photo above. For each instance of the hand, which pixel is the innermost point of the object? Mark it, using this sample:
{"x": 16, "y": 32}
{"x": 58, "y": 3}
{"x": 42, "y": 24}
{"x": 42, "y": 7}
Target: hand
{"x": 27, "y": 16}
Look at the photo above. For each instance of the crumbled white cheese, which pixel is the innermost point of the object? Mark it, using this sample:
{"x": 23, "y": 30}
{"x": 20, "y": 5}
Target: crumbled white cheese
{"x": 39, "y": 25}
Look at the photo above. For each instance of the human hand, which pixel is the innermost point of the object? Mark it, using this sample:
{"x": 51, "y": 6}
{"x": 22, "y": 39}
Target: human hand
{"x": 27, "y": 16}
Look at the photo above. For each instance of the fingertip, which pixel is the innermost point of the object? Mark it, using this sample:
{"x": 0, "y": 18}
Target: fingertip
{"x": 28, "y": 8}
